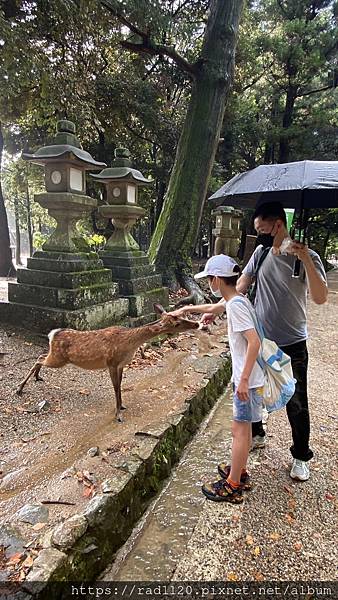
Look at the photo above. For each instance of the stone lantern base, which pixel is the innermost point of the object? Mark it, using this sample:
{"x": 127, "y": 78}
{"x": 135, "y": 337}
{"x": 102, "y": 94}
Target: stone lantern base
{"x": 60, "y": 289}
{"x": 138, "y": 282}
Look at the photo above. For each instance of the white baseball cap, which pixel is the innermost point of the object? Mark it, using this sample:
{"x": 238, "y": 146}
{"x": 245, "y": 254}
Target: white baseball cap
{"x": 219, "y": 265}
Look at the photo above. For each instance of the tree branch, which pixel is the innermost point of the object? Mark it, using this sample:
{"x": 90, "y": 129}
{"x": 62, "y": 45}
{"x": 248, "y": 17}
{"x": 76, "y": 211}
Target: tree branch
{"x": 256, "y": 80}
{"x": 327, "y": 87}
{"x": 147, "y": 46}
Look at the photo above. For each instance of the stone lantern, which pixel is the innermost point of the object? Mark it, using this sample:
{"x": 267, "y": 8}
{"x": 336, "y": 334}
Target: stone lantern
{"x": 65, "y": 284}
{"x": 130, "y": 266}
{"x": 65, "y": 165}
{"x": 227, "y": 230}
{"x": 122, "y": 183}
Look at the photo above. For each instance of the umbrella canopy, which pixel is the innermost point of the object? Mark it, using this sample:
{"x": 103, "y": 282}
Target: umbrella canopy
{"x": 303, "y": 184}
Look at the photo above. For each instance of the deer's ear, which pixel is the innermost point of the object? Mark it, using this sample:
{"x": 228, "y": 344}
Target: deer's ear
{"x": 158, "y": 308}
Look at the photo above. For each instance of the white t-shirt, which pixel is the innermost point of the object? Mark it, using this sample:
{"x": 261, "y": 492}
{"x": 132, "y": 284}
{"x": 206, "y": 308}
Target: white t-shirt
{"x": 239, "y": 320}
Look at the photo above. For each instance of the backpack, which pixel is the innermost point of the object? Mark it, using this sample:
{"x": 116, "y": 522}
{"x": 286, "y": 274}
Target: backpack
{"x": 279, "y": 385}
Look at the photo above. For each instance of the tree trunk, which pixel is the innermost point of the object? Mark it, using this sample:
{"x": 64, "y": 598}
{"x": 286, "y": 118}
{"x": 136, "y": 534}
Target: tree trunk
{"x": 284, "y": 142}
{"x": 17, "y": 232}
{"x": 174, "y": 239}
{"x": 29, "y": 217}
{"x": 269, "y": 151}
{"x": 6, "y": 266}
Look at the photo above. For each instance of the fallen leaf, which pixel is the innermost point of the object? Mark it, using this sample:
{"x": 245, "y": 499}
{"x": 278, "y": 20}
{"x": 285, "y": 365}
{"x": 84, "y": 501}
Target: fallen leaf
{"x": 292, "y": 504}
{"x": 15, "y": 559}
{"x": 274, "y": 536}
{"x": 88, "y": 491}
{"x": 38, "y": 526}
{"x": 298, "y": 546}
{"x": 231, "y": 576}
{"x": 290, "y": 519}
{"x": 258, "y": 577}
{"x": 84, "y": 392}
{"x": 257, "y": 551}
{"x": 329, "y": 496}
{"x": 28, "y": 562}
{"x": 249, "y": 540}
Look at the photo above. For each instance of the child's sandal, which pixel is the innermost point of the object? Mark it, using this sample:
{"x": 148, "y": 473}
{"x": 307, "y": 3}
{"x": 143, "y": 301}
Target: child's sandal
{"x": 224, "y": 471}
{"x": 221, "y": 491}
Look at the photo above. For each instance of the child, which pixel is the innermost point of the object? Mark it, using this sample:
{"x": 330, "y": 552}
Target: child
{"x": 247, "y": 377}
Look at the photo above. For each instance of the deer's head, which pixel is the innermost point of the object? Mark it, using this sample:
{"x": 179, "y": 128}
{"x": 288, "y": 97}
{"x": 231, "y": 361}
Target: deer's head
{"x": 174, "y": 324}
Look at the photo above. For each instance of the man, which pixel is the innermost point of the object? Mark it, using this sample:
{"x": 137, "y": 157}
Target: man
{"x": 280, "y": 305}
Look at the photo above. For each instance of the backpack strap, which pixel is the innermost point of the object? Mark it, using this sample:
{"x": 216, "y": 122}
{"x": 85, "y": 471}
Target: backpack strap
{"x": 257, "y": 324}
{"x": 258, "y": 327}
{"x": 253, "y": 292}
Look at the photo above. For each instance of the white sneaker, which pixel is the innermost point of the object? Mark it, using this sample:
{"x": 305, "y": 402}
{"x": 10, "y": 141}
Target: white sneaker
{"x": 300, "y": 470}
{"x": 258, "y": 441}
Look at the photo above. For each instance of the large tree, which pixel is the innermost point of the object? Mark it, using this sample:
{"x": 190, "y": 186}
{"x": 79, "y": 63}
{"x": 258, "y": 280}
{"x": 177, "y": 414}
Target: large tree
{"x": 6, "y": 266}
{"x": 174, "y": 239}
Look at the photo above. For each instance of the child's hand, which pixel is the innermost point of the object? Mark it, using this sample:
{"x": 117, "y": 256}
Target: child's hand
{"x": 207, "y": 319}
{"x": 243, "y": 390}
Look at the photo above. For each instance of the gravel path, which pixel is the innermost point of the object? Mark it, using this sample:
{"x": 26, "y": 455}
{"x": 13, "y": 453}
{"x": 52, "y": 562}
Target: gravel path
{"x": 284, "y": 530}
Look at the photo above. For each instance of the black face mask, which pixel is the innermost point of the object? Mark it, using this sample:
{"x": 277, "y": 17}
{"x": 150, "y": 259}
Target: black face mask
{"x": 266, "y": 239}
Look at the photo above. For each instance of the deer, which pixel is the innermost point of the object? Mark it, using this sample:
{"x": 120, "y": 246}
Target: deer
{"x": 111, "y": 348}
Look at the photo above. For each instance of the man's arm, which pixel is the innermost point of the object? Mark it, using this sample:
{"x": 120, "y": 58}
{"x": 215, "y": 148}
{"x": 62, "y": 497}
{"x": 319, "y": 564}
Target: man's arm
{"x": 243, "y": 283}
{"x": 250, "y": 359}
{"x": 317, "y": 286}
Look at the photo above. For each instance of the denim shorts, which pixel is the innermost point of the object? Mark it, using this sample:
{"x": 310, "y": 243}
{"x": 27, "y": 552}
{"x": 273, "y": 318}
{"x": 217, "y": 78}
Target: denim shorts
{"x": 248, "y": 410}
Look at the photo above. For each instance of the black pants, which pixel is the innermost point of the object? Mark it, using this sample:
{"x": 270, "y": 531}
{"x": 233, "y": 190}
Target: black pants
{"x": 297, "y": 408}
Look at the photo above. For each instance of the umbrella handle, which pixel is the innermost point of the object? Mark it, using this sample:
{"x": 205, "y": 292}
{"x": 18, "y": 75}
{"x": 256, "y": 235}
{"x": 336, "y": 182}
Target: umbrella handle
{"x": 296, "y": 268}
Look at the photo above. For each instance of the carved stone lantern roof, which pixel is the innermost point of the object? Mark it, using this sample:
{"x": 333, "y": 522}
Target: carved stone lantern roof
{"x": 66, "y": 148}
{"x": 121, "y": 169}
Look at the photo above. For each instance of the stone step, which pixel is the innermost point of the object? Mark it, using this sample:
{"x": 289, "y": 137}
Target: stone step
{"x": 59, "y": 279}
{"x": 43, "y": 319}
{"x": 53, "y": 297}
{"x": 135, "y": 272}
{"x": 143, "y": 304}
{"x": 79, "y": 256}
{"x": 65, "y": 266}
{"x": 140, "y": 285}
{"x": 123, "y": 259}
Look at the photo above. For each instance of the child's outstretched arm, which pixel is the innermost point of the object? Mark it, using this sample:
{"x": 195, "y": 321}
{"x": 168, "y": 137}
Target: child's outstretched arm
{"x": 212, "y": 309}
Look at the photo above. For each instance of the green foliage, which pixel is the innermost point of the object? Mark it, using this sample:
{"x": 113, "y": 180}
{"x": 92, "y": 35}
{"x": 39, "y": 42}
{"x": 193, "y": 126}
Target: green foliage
{"x": 39, "y": 239}
{"x": 63, "y": 58}
{"x": 96, "y": 242}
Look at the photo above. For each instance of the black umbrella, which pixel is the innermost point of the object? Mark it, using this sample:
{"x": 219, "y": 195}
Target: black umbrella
{"x": 301, "y": 185}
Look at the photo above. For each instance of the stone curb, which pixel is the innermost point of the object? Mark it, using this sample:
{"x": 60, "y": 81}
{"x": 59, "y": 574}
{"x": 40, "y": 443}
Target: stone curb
{"x": 83, "y": 545}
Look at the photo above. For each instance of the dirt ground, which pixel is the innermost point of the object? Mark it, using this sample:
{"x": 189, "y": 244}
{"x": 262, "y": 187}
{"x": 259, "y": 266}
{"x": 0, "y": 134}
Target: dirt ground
{"x": 55, "y": 422}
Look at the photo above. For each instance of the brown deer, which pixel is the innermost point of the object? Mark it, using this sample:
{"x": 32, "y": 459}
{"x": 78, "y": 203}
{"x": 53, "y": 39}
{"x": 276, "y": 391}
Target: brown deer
{"x": 111, "y": 348}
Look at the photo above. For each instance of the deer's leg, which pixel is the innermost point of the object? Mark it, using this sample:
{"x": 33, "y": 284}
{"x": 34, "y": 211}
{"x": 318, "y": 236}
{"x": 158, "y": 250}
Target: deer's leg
{"x": 45, "y": 360}
{"x": 34, "y": 371}
{"x": 116, "y": 377}
{"x": 121, "y": 373}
